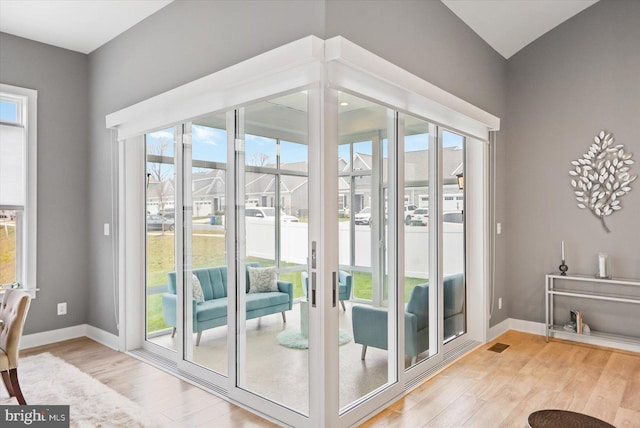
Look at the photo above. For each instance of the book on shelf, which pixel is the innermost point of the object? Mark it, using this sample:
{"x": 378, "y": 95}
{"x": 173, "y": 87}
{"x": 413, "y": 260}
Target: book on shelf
{"x": 576, "y": 319}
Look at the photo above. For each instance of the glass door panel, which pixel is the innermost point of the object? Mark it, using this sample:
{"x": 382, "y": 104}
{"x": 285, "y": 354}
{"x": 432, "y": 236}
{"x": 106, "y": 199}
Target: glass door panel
{"x": 205, "y": 164}
{"x": 345, "y": 206}
{"x": 420, "y": 291}
{"x": 294, "y": 227}
{"x": 160, "y": 290}
{"x": 274, "y": 359}
{"x": 453, "y": 234}
{"x": 365, "y": 363}
{"x": 260, "y": 218}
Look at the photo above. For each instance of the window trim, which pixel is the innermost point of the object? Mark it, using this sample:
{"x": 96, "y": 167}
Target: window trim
{"x": 27, "y": 244}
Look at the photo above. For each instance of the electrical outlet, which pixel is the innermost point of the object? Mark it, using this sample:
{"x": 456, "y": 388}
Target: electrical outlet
{"x": 498, "y": 228}
{"x": 499, "y": 302}
{"x": 106, "y": 229}
{"x": 62, "y": 308}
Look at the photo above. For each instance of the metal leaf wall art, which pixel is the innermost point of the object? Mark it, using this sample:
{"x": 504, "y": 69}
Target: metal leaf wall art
{"x": 601, "y": 177}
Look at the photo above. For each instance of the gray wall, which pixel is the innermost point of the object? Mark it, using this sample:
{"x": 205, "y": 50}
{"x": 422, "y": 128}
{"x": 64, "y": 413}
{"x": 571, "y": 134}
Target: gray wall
{"x": 578, "y": 79}
{"x": 61, "y": 78}
{"x": 427, "y": 39}
{"x": 182, "y": 42}
{"x": 190, "y": 39}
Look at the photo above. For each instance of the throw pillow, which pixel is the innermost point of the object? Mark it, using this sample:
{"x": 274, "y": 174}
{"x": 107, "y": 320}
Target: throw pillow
{"x": 262, "y": 280}
{"x": 198, "y": 294}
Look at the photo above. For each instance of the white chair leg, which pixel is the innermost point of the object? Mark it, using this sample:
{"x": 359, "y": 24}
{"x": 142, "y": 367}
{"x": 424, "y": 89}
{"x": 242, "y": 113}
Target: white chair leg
{"x": 284, "y": 317}
{"x": 198, "y": 338}
{"x": 364, "y": 352}
{"x": 342, "y": 303}
{"x": 413, "y": 359}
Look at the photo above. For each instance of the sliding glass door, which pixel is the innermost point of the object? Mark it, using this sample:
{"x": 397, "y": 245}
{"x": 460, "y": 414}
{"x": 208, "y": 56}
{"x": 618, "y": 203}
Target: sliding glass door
{"x": 420, "y": 274}
{"x": 452, "y": 212}
{"x": 273, "y": 230}
{"x": 301, "y": 233}
{"x": 204, "y": 243}
{"x": 160, "y": 237}
{"x": 366, "y": 290}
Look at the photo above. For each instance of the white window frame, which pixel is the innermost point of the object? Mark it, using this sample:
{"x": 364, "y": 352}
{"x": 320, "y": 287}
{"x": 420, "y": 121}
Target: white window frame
{"x": 26, "y": 221}
{"x": 326, "y": 67}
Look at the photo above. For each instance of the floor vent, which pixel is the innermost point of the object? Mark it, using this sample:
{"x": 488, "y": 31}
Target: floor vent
{"x": 498, "y": 347}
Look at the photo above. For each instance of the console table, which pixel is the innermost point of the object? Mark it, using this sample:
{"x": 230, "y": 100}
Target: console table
{"x": 574, "y": 290}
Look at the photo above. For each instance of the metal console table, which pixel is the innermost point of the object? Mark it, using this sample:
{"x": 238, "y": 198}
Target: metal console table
{"x": 552, "y": 290}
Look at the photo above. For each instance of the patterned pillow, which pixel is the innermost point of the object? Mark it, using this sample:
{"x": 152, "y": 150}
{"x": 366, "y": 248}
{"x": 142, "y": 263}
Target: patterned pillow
{"x": 198, "y": 294}
{"x": 262, "y": 280}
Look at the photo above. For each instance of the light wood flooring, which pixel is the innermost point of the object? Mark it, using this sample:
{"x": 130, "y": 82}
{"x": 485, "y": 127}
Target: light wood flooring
{"x": 483, "y": 389}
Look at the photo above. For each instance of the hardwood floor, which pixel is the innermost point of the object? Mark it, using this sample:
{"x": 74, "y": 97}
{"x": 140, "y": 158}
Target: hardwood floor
{"x": 483, "y": 389}
{"x": 178, "y": 403}
{"x": 488, "y": 389}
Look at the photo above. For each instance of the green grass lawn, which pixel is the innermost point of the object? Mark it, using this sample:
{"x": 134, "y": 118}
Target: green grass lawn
{"x": 208, "y": 251}
{"x": 7, "y": 254}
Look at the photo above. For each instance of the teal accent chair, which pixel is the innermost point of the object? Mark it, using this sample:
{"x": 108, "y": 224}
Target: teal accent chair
{"x": 344, "y": 286}
{"x": 370, "y": 324}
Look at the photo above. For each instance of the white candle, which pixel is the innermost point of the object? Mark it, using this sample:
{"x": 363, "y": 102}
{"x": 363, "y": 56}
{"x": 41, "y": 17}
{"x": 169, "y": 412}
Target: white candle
{"x": 602, "y": 265}
{"x": 563, "y": 251}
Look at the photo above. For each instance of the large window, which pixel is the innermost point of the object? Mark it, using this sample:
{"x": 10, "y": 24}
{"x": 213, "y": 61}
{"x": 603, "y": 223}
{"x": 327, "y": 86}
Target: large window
{"x": 342, "y": 185}
{"x": 17, "y": 186}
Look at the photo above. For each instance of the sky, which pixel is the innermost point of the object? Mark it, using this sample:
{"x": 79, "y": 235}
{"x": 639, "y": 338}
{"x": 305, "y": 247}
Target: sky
{"x": 8, "y": 111}
{"x": 210, "y": 144}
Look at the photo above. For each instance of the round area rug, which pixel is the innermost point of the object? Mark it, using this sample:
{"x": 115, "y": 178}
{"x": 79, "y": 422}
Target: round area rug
{"x": 294, "y": 339}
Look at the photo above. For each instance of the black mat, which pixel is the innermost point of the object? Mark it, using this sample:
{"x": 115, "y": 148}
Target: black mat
{"x": 564, "y": 419}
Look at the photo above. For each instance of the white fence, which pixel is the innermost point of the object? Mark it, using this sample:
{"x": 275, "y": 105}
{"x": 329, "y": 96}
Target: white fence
{"x": 260, "y": 242}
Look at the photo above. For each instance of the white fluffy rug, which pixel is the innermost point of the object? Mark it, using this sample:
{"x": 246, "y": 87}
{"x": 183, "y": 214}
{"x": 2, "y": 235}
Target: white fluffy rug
{"x": 48, "y": 380}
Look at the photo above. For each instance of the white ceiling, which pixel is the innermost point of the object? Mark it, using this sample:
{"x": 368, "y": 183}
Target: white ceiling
{"x": 510, "y": 25}
{"x": 85, "y": 25}
{"x": 78, "y": 25}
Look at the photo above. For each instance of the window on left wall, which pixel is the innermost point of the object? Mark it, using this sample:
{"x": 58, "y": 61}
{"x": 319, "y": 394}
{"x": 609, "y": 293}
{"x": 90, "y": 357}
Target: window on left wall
{"x": 18, "y": 187}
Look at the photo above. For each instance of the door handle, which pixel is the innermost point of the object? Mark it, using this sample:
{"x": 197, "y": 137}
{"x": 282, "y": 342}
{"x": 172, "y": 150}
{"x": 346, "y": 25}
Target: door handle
{"x": 313, "y": 289}
{"x": 334, "y": 289}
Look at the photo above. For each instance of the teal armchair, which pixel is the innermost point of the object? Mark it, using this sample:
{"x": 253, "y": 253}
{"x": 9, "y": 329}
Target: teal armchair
{"x": 370, "y": 324}
{"x": 344, "y": 286}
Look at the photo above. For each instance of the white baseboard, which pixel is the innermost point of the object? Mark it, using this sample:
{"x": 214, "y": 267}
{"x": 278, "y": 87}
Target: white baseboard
{"x": 527, "y": 326}
{"x": 539, "y": 329}
{"x": 104, "y": 337}
{"x": 82, "y": 330}
{"x": 498, "y": 329}
{"x": 518, "y": 325}
{"x": 52, "y": 336}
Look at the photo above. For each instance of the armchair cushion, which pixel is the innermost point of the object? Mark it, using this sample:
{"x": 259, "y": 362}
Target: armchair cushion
{"x": 211, "y": 309}
{"x": 262, "y": 280}
{"x": 196, "y": 287}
